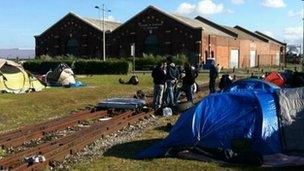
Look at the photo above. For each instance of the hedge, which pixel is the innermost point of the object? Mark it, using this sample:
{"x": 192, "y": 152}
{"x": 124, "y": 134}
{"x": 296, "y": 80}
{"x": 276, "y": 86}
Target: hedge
{"x": 148, "y": 62}
{"x": 43, "y": 64}
{"x": 80, "y": 66}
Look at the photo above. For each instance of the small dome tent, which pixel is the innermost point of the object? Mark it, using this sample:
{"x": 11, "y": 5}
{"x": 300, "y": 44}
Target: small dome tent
{"x": 14, "y": 79}
{"x": 63, "y": 75}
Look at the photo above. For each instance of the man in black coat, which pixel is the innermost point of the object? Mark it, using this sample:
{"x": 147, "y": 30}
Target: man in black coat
{"x": 188, "y": 77}
{"x": 171, "y": 79}
{"x": 159, "y": 79}
{"x": 213, "y": 74}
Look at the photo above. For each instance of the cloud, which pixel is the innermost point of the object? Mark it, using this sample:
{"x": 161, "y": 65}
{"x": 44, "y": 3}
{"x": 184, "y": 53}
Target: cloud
{"x": 229, "y": 11}
{"x": 293, "y": 34}
{"x": 237, "y": 2}
{"x": 203, "y": 7}
{"x": 292, "y": 13}
{"x": 274, "y": 3}
{"x": 186, "y": 8}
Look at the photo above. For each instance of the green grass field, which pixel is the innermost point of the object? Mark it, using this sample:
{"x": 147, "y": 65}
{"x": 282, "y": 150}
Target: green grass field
{"x": 26, "y": 109}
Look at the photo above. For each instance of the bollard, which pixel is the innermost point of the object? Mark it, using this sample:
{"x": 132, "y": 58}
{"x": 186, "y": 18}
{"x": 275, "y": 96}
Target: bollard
{"x": 262, "y": 71}
{"x": 234, "y": 77}
{"x": 233, "y": 70}
{"x": 295, "y": 69}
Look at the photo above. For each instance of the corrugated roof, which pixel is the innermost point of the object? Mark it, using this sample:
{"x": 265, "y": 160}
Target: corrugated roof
{"x": 270, "y": 38}
{"x": 198, "y": 24}
{"x": 109, "y": 25}
{"x": 241, "y": 34}
{"x": 193, "y": 23}
{"x": 97, "y": 24}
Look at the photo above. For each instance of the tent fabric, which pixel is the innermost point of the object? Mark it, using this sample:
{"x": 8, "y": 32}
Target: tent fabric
{"x": 8, "y": 62}
{"x": 276, "y": 78}
{"x": 252, "y": 85}
{"x": 221, "y": 118}
{"x": 292, "y": 119}
{"x": 14, "y": 79}
{"x": 63, "y": 75}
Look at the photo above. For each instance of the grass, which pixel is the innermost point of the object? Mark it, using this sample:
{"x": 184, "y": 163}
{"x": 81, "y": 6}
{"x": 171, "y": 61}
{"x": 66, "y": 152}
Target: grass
{"x": 121, "y": 156}
{"x": 25, "y": 109}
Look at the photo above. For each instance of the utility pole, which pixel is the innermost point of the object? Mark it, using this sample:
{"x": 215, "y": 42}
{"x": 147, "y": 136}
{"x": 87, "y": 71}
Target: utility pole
{"x": 104, "y": 33}
{"x": 103, "y": 11}
{"x": 303, "y": 29}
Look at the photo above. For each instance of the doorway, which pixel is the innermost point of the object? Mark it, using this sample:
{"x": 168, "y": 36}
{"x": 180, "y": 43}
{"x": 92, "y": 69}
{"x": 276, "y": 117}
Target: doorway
{"x": 252, "y": 60}
{"x": 234, "y": 59}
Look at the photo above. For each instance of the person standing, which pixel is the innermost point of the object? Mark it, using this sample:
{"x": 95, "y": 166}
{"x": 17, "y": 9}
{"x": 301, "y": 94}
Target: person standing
{"x": 213, "y": 74}
{"x": 171, "y": 79}
{"x": 188, "y": 77}
{"x": 159, "y": 79}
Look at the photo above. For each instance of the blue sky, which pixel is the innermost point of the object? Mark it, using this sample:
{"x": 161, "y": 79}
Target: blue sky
{"x": 22, "y": 19}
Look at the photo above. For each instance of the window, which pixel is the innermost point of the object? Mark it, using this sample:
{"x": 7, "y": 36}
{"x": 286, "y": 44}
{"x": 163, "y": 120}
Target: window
{"x": 72, "y": 47}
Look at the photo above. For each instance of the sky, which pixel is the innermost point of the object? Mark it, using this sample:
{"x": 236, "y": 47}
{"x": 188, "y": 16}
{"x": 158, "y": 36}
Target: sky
{"x": 21, "y": 20}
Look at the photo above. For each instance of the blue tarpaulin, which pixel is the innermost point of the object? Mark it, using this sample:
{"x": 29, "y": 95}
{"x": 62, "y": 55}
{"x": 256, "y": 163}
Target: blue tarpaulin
{"x": 220, "y": 118}
{"x": 252, "y": 85}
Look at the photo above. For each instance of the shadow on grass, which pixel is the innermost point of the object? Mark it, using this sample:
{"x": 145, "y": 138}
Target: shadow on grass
{"x": 130, "y": 149}
{"x": 166, "y": 128}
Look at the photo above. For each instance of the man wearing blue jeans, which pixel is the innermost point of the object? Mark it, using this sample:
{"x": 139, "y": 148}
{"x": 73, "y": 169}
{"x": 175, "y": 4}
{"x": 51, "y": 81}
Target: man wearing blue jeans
{"x": 171, "y": 78}
{"x": 159, "y": 79}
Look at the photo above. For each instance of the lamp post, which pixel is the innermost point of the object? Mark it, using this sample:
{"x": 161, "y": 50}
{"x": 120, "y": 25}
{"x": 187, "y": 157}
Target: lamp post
{"x": 103, "y": 10}
{"x": 303, "y": 30}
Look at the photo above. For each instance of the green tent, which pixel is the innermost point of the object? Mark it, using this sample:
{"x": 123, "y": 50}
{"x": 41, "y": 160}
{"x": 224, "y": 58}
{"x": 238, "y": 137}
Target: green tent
{"x": 14, "y": 79}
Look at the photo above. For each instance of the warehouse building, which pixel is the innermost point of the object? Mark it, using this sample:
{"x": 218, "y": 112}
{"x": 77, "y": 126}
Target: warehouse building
{"x": 74, "y": 35}
{"x": 153, "y": 31}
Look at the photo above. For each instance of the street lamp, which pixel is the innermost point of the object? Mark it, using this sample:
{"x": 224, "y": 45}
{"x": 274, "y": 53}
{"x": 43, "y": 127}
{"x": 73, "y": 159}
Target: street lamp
{"x": 103, "y": 10}
{"x": 303, "y": 30}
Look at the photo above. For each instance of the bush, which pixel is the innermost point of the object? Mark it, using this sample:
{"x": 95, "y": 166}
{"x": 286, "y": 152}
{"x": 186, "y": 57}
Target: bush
{"x": 80, "y": 66}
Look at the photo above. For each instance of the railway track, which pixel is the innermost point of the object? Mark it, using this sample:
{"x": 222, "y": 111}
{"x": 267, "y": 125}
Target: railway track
{"x": 70, "y": 144}
{"x": 57, "y": 150}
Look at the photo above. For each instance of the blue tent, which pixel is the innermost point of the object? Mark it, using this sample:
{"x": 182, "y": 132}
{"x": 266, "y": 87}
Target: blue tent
{"x": 220, "y": 118}
{"x": 252, "y": 85}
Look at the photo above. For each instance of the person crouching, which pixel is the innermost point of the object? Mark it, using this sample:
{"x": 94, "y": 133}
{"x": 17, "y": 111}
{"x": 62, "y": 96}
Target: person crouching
{"x": 159, "y": 79}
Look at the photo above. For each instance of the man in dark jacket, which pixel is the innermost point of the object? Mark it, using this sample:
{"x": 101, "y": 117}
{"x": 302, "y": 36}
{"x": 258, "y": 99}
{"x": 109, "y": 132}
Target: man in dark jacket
{"x": 188, "y": 77}
{"x": 171, "y": 79}
{"x": 159, "y": 79}
{"x": 213, "y": 74}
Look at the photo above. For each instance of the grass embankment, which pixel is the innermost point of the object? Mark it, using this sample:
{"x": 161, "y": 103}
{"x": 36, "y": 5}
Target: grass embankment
{"x": 25, "y": 109}
{"x": 20, "y": 110}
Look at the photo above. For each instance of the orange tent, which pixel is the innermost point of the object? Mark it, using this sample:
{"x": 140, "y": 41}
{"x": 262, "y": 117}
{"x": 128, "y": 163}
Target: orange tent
{"x": 275, "y": 78}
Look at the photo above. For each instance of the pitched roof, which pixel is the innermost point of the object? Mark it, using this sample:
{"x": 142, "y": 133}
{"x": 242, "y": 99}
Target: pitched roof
{"x": 187, "y": 23}
{"x": 193, "y": 23}
{"x": 197, "y": 23}
{"x": 241, "y": 34}
{"x": 270, "y": 38}
{"x": 109, "y": 25}
{"x": 96, "y": 23}
{"x": 217, "y": 26}
{"x": 248, "y": 34}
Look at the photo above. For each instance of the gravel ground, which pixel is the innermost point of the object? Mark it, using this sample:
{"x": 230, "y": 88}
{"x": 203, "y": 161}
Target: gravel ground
{"x": 97, "y": 149}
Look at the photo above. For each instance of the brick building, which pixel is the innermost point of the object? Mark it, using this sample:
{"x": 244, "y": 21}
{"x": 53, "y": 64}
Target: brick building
{"x": 73, "y": 35}
{"x": 153, "y": 31}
